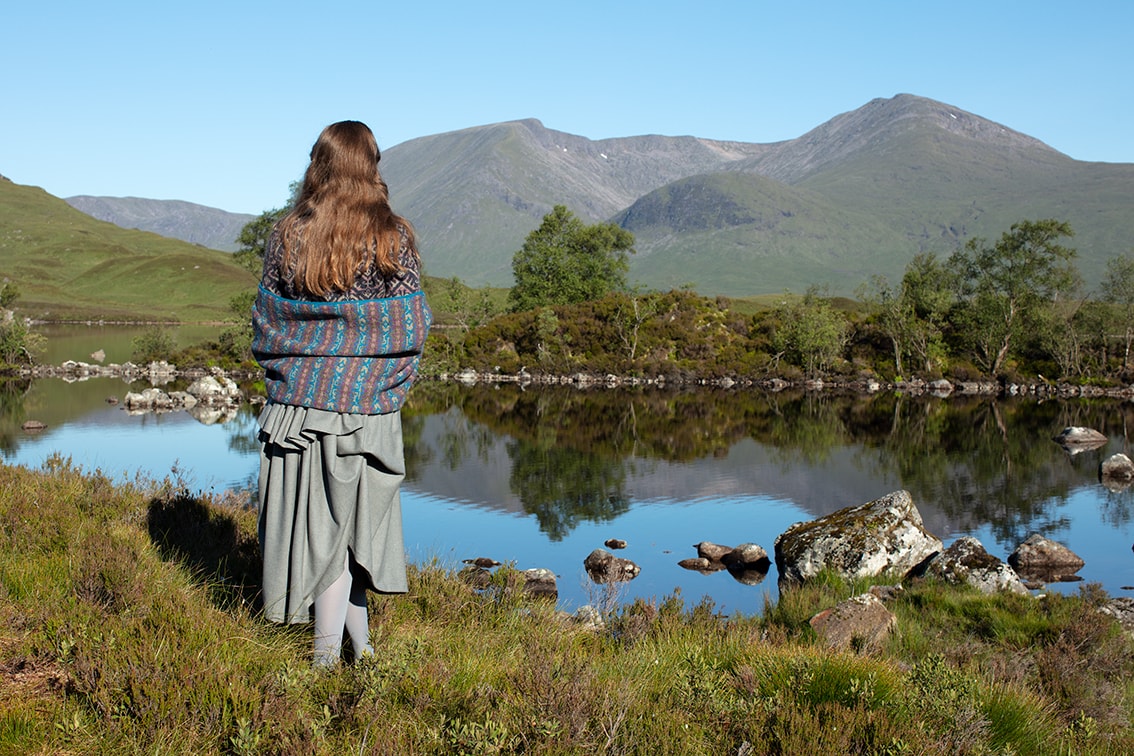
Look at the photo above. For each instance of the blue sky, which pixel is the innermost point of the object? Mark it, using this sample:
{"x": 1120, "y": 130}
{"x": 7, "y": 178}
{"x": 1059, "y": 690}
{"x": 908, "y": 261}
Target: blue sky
{"x": 218, "y": 102}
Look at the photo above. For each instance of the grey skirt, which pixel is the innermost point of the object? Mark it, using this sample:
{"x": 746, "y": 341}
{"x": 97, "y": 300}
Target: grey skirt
{"x": 329, "y": 487}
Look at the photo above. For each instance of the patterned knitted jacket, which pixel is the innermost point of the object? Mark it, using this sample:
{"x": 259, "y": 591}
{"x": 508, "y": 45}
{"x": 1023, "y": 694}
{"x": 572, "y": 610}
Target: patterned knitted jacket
{"x": 356, "y": 356}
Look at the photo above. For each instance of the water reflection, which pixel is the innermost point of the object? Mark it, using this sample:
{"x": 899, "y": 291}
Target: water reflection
{"x": 542, "y": 477}
{"x": 972, "y": 461}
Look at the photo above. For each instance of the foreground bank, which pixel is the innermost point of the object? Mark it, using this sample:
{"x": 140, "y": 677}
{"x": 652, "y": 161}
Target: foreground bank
{"x": 129, "y": 625}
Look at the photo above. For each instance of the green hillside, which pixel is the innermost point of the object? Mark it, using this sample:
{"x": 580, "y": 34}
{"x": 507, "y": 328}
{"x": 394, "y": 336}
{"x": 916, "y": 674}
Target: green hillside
{"x": 68, "y": 265}
{"x": 741, "y": 234}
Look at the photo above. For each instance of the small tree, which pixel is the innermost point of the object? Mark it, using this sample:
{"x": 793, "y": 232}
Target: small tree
{"x": 1118, "y": 290}
{"x": 811, "y": 333}
{"x": 565, "y": 261}
{"x": 1001, "y": 289}
{"x": 19, "y": 344}
{"x": 253, "y": 239}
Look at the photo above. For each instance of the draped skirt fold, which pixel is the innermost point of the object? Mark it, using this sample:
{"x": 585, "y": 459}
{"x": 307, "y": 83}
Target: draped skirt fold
{"x": 329, "y": 487}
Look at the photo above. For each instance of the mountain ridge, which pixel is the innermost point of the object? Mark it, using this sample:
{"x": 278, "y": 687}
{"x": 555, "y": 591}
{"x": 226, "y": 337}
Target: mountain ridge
{"x": 177, "y": 219}
{"x": 899, "y": 176}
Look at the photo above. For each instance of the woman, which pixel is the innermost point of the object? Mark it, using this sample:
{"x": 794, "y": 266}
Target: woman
{"x": 339, "y": 324}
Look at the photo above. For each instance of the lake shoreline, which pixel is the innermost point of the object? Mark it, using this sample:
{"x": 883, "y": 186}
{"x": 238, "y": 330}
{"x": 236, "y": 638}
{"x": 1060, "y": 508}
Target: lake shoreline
{"x": 162, "y": 372}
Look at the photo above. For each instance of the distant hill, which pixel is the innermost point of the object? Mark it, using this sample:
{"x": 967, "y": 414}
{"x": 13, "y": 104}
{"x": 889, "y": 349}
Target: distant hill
{"x": 68, "y": 265}
{"x": 860, "y": 194}
{"x": 197, "y": 224}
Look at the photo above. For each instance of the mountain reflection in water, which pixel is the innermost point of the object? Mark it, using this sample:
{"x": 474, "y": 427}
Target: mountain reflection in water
{"x": 542, "y": 477}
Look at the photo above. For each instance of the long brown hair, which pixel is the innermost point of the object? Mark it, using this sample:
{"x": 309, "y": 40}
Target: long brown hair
{"x": 342, "y": 221}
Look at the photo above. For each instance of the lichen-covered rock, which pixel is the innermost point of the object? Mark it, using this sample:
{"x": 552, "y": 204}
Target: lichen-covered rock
{"x": 967, "y": 561}
{"x": 861, "y": 623}
{"x": 882, "y": 536}
{"x": 604, "y": 567}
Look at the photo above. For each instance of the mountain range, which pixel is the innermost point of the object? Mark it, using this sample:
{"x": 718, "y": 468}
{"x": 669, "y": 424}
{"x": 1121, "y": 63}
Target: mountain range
{"x": 197, "y": 224}
{"x": 858, "y": 195}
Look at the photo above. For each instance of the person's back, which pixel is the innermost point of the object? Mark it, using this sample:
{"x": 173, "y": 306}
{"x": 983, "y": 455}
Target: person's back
{"x": 339, "y": 324}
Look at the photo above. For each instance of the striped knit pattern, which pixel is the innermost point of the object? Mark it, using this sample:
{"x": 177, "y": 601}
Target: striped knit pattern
{"x": 358, "y": 356}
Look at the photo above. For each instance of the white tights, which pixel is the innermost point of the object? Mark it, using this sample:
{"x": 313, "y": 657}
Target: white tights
{"x": 342, "y": 605}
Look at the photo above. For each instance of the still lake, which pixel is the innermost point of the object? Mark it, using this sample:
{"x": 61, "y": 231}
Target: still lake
{"x": 540, "y": 477}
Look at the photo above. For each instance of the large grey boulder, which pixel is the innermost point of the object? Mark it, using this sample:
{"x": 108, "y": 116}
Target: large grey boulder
{"x": 968, "y": 562}
{"x": 882, "y": 536}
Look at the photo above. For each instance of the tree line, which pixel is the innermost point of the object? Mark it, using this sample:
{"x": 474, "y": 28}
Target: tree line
{"x": 1013, "y": 308}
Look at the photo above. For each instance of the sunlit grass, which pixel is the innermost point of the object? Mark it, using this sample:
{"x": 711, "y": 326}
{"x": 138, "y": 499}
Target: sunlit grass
{"x": 127, "y": 625}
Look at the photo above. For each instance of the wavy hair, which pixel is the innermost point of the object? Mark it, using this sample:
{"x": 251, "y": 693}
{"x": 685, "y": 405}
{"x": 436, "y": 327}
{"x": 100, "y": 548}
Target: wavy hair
{"x": 342, "y": 222}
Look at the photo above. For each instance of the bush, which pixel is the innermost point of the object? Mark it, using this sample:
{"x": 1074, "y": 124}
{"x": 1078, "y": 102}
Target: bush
{"x": 156, "y": 343}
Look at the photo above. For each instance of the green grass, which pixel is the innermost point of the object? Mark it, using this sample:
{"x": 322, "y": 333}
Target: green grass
{"x": 127, "y": 625}
{"x": 68, "y": 265}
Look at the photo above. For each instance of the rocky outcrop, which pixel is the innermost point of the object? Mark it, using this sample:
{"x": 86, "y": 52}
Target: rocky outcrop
{"x": 882, "y": 536}
{"x": 604, "y": 567}
{"x": 1042, "y": 560}
{"x": 967, "y": 562}
{"x": 215, "y": 390}
{"x": 861, "y": 623}
{"x": 210, "y": 398}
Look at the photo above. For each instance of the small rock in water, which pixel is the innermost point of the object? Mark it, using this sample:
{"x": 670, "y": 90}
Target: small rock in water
{"x": 700, "y": 564}
{"x": 33, "y": 426}
{"x": 615, "y": 543}
{"x": 604, "y": 567}
{"x": 710, "y": 550}
{"x": 98, "y": 356}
